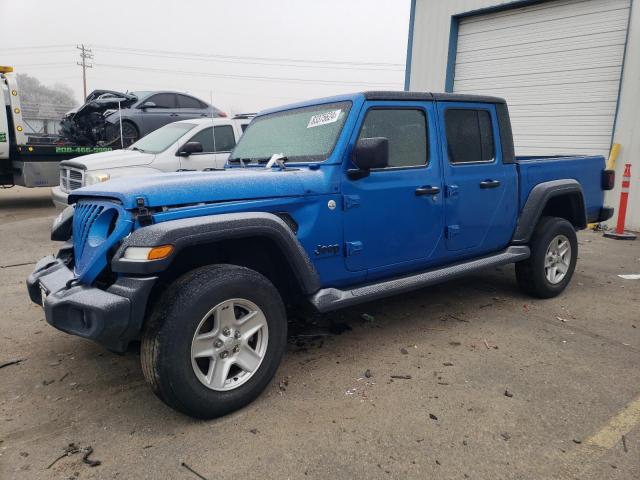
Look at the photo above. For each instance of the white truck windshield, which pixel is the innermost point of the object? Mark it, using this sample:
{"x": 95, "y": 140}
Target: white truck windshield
{"x": 162, "y": 138}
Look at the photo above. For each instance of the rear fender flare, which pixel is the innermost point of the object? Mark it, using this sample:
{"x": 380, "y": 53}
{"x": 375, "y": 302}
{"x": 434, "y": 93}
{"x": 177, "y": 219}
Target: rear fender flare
{"x": 538, "y": 199}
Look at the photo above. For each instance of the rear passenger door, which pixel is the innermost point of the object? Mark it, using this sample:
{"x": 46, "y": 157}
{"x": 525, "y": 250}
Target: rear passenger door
{"x": 480, "y": 191}
{"x": 217, "y": 142}
{"x": 190, "y": 107}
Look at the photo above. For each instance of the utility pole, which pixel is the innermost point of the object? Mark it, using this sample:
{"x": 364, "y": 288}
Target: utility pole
{"x": 85, "y": 54}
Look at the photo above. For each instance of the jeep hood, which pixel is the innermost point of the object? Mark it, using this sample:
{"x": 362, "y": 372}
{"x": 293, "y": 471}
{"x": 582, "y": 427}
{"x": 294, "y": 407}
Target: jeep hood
{"x": 112, "y": 159}
{"x": 182, "y": 188}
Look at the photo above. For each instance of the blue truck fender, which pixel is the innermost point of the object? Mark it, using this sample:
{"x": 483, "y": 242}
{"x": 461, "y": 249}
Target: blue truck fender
{"x": 209, "y": 229}
{"x": 539, "y": 198}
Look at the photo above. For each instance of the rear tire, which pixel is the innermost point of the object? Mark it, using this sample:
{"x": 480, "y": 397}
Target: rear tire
{"x": 554, "y": 251}
{"x": 214, "y": 341}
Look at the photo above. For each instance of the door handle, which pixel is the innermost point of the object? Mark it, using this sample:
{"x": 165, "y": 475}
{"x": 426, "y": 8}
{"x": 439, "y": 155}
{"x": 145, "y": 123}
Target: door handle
{"x": 490, "y": 183}
{"x": 173, "y": 114}
{"x": 427, "y": 190}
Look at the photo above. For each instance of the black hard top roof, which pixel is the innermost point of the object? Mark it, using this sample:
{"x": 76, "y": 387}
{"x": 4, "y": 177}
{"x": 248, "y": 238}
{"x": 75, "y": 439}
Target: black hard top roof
{"x": 429, "y": 96}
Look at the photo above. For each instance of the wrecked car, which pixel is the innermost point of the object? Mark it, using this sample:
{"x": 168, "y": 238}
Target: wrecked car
{"x": 97, "y": 122}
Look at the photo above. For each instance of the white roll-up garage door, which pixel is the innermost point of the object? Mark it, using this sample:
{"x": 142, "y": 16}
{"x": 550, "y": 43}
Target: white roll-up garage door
{"x": 557, "y": 63}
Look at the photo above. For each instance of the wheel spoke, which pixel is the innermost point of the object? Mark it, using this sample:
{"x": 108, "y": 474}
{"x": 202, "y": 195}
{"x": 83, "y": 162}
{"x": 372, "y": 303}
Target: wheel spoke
{"x": 554, "y": 274}
{"x": 563, "y": 249}
{"x": 248, "y": 359}
{"x": 225, "y": 314}
{"x": 218, "y": 372}
{"x": 203, "y": 345}
{"x": 251, "y": 323}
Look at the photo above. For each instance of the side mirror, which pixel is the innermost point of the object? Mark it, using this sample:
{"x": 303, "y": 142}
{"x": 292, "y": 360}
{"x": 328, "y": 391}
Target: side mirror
{"x": 146, "y": 105}
{"x": 189, "y": 148}
{"x": 369, "y": 153}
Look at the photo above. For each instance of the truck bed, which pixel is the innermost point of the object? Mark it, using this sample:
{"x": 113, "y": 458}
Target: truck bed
{"x": 587, "y": 170}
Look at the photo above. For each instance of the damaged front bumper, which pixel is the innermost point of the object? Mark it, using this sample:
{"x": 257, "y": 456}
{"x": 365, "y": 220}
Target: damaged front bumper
{"x": 111, "y": 317}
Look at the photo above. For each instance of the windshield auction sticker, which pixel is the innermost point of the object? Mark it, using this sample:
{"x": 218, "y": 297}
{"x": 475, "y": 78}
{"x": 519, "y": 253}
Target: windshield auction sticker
{"x": 324, "y": 118}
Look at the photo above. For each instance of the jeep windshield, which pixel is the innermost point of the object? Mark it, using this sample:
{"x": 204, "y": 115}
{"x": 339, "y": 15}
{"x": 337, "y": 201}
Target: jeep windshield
{"x": 161, "y": 139}
{"x": 305, "y": 134}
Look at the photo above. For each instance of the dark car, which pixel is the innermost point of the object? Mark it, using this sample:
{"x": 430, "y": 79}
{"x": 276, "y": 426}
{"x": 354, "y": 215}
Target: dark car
{"x": 97, "y": 122}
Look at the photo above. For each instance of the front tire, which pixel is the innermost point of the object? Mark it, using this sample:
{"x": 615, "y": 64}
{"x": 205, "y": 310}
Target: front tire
{"x": 554, "y": 251}
{"x": 130, "y": 134}
{"x": 214, "y": 341}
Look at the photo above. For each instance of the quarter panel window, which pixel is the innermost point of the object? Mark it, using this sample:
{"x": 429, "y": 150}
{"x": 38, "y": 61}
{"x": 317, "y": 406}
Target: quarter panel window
{"x": 406, "y": 130}
{"x": 469, "y": 135}
{"x": 184, "y": 101}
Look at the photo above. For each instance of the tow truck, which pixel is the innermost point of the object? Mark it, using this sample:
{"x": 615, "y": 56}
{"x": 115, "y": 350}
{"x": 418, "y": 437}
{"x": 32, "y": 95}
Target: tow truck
{"x": 24, "y": 161}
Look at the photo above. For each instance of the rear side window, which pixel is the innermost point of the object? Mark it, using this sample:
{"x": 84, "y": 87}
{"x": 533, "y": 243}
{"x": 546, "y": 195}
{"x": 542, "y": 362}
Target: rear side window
{"x": 406, "y": 131}
{"x": 469, "y": 135}
{"x": 184, "y": 101}
{"x": 223, "y": 142}
{"x": 163, "y": 100}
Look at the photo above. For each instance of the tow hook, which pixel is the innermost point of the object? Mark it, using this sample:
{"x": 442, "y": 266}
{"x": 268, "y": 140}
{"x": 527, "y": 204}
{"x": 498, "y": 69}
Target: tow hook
{"x": 143, "y": 214}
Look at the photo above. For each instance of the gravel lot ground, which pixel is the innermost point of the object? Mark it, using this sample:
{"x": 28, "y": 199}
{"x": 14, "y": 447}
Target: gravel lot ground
{"x": 501, "y": 386}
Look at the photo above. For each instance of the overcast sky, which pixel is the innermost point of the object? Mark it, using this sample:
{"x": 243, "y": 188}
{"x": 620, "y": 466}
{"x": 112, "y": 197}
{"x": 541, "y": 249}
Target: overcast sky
{"x": 209, "y": 47}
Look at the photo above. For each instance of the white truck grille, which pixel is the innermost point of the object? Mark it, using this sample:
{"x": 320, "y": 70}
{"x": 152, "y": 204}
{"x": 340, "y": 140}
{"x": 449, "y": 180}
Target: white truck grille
{"x": 71, "y": 178}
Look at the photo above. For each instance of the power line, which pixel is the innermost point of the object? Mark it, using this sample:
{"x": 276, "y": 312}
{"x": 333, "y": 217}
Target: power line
{"x": 42, "y": 65}
{"x": 244, "y": 77}
{"x": 198, "y": 57}
{"x": 37, "y": 47}
{"x": 237, "y": 57}
{"x": 205, "y": 55}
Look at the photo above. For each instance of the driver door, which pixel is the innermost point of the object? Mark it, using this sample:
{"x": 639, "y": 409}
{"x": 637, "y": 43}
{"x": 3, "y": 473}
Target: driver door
{"x": 217, "y": 142}
{"x": 393, "y": 219}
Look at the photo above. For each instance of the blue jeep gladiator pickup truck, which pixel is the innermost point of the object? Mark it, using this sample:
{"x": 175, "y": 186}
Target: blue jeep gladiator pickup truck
{"x": 326, "y": 203}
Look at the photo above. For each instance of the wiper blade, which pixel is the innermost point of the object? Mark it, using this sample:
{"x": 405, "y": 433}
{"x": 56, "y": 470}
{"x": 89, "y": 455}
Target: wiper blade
{"x": 137, "y": 149}
{"x": 249, "y": 160}
{"x": 276, "y": 159}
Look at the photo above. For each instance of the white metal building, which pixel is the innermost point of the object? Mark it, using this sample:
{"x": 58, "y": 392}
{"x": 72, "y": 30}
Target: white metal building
{"x": 569, "y": 69}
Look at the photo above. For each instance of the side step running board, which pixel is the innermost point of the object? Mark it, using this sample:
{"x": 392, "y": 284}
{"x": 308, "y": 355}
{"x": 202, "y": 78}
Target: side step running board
{"x": 329, "y": 299}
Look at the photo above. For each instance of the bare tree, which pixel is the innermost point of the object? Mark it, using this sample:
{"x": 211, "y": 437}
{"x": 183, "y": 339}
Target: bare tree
{"x": 34, "y": 92}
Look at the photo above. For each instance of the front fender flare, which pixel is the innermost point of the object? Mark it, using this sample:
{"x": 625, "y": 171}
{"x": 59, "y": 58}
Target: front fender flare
{"x": 188, "y": 232}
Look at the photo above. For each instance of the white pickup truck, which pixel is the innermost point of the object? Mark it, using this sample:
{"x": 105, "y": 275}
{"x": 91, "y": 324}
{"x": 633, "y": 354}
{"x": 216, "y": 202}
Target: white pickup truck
{"x": 200, "y": 144}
